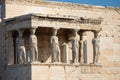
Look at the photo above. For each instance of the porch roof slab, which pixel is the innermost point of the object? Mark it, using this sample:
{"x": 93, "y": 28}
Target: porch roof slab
{"x": 52, "y": 21}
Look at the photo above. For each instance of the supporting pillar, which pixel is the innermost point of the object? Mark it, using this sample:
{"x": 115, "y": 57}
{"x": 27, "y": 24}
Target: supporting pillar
{"x": 33, "y": 45}
{"x": 56, "y": 55}
{"x": 75, "y": 47}
{"x": 65, "y": 53}
{"x": 96, "y": 47}
{"x": 83, "y": 49}
{"x": 20, "y": 48}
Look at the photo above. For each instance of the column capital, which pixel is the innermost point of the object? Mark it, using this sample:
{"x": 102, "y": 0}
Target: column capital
{"x": 56, "y": 28}
{"x": 84, "y": 33}
{"x": 32, "y": 31}
{"x": 34, "y": 27}
{"x": 96, "y": 32}
{"x": 20, "y": 31}
{"x": 76, "y": 30}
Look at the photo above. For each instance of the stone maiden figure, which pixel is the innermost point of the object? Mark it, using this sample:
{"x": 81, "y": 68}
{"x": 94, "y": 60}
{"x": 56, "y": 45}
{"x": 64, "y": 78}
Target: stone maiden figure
{"x": 83, "y": 49}
{"x": 55, "y": 47}
{"x": 21, "y": 49}
{"x": 33, "y": 45}
{"x": 96, "y": 47}
{"x": 75, "y": 46}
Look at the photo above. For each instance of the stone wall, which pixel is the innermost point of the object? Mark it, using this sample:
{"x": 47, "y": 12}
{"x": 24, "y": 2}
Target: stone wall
{"x": 3, "y": 54}
{"x": 43, "y": 71}
{"x": 109, "y": 41}
{"x": 110, "y": 15}
{"x": 19, "y": 72}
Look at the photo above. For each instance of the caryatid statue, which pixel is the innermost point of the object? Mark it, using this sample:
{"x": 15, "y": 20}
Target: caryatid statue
{"x": 21, "y": 52}
{"x": 33, "y": 45}
{"x": 96, "y": 48}
{"x": 56, "y": 57}
{"x": 83, "y": 49}
{"x": 75, "y": 46}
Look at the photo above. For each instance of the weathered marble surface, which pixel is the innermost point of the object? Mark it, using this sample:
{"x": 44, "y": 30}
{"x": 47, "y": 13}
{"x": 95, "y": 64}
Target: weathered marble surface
{"x": 109, "y": 40}
{"x": 38, "y": 71}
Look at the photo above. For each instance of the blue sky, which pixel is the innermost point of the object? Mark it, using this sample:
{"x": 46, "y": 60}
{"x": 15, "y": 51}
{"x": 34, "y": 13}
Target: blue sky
{"x": 115, "y": 3}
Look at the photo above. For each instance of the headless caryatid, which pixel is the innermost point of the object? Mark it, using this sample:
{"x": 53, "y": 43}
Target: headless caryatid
{"x": 33, "y": 46}
{"x": 56, "y": 57}
{"x": 96, "y": 47}
{"x": 75, "y": 47}
{"x": 83, "y": 55}
{"x": 21, "y": 49}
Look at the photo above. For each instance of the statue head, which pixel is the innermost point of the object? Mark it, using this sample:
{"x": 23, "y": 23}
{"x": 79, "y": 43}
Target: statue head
{"x": 75, "y": 32}
{"x": 33, "y": 31}
{"x": 96, "y": 33}
{"x": 54, "y": 32}
{"x": 20, "y": 32}
{"x": 84, "y": 36}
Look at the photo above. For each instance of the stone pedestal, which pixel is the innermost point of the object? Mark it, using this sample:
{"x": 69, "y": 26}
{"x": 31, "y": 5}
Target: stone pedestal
{"x": 42, "y": 71}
